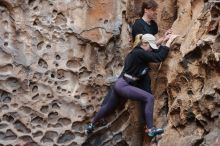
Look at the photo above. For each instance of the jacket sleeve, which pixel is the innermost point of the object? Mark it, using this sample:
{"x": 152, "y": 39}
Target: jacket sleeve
{"x": 157, "y": 56}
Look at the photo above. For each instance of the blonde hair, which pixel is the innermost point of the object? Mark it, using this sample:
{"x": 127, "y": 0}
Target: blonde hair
{"x": 137, "y": 40}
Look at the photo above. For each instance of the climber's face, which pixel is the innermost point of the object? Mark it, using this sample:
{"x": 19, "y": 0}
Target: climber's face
{"x": 151, "y": 13}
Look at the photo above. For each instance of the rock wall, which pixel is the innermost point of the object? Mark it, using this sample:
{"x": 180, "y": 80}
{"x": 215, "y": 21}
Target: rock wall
{"x": 59, "y": 58}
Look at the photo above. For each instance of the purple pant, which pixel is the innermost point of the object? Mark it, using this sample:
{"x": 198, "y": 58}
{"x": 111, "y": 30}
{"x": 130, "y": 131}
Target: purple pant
{"x": 124, "y": 90}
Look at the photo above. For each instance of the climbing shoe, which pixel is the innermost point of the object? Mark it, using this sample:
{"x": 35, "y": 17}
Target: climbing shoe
{"x": 155, "y": 131}
{"x": 89, "y": 129}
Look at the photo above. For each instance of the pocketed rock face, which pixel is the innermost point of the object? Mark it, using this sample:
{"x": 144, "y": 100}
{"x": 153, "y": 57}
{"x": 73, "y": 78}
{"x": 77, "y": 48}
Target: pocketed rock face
{"x": 55, "y": 57}
{"x": 59, "y": 57}
{"x": 187, "y": 85}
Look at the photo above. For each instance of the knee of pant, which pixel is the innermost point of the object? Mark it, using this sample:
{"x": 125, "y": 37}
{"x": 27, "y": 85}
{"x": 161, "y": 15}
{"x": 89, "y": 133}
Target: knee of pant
{"x": 150, "y": 99}
{"x": 116, "y": 87}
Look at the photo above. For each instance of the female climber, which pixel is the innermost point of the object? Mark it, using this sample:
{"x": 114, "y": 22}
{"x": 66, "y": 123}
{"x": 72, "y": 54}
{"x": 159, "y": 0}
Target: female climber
{"x": 135, "y": 67}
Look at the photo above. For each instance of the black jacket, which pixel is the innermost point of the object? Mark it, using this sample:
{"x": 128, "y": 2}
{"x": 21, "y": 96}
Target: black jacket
{"x": 141, "y": 27}
{"x": 138, "y": 59}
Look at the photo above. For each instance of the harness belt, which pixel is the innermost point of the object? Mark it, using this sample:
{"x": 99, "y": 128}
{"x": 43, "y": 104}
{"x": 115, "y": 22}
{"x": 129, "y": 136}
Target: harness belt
{"x": 131, "y": 77}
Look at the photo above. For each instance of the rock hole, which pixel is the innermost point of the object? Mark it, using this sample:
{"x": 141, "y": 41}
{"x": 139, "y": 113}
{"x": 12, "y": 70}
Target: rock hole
{"x": 37, "y": 120}
{"x": 35, "y": 8}
{"x": 72, "y": 64}
{"x": 60, "y": 74}
{"x": 99, "y": 76}
{"x": 5, "y": 97}
{"x": 49, "y": 95}
{"x": 198, "y": 142}
{"x": 37, "y": 76}
{"x": 7, "y": 118}
{"x": 44, "y": 109}
{"x": 57, "y": 125}
{"x": 84, "y": 74}
{"x": 15, "y": 105}
{"x": 73, "y": 144}
{"x": 42, "y": 63}
{"x": 53, "y": 116}
{"x": 106, "y": 21}
{"x": 37, "y": 134}
{"x": 35, "y": 89}
{"x": 123, "y": 12}
{"x": 36, "y": 22}
{"x": 54, "y": 12}
{"x": 10, "y": 135}
{"x": 35, "y": 97}
{"x": 6, "y": 44}
{"x": 77, "y": 126}
{"x": 3, "y": 125}
{"x": 55, "y": 106}
{"x": 5, "y": 22}
{"x": 209, "y": 98}
{"x": 19, "y": 126}
{"x": 214, "y": 31}
{"x": 190, "y": 116}
{"x": 6, "y": 35}
{"x": 49, "y": 136}
{"x": 2, "y": 135}
{"x": 66, "y": 137}
{"x": 64, "y": 121}
{"x": 63, "y": 90}
{"x": 46, "y": 140}
{"x": 47, "y": 73}
{"x": 60, "y": 19}
{"x": 26, "y": 138}
{"x": 50, "y": 82}
{"x": 174, "y": 111}
{"x": 31, "y": 144}
{"x": 190, "y": 92}
{"x": 58, "y": 57}
{"x": 58, "y": 88}
{"x": 52, "y": 75}
{"x": 193, "y": 55}
{"x": 5, "y": 107}
{"x": 90, "y": 108}
{"x": 13, "y": 82}
{"x": 179, "y": 101}
{"x": 26, "y": 109}
{"x": 77, "y": 96}
{"x": 39, "y": 45}
{"x": 48, "y": 46}
{"x": 84, "y": 94}
{"x": 30, "y": 2}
